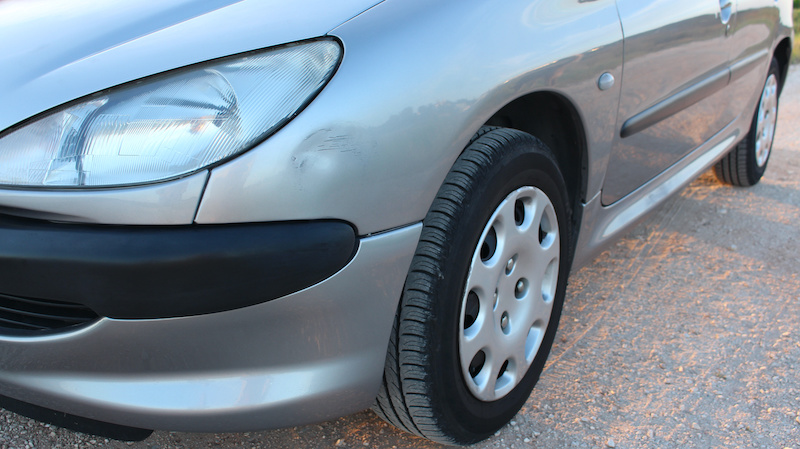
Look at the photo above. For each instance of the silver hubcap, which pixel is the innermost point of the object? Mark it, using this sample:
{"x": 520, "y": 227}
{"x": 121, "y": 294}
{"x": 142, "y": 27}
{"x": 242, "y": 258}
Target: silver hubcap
{"x": 766, "y": 119}
{"x": 509, "y": 293}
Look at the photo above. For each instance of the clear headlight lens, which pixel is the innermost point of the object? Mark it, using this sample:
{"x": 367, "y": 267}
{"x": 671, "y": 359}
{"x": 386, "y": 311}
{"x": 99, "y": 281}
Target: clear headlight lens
{"x": 169, "y": 125}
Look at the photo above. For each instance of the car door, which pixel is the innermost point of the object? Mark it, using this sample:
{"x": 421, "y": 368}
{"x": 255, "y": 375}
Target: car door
{"x": 751, "y": 34}
{"x": 673, "y": 86}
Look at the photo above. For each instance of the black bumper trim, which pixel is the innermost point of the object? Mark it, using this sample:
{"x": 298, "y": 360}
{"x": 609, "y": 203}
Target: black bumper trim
{"x": 140, "y": 272}
{"x": 75, "y": 423}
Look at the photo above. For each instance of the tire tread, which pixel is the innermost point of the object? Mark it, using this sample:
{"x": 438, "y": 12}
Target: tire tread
{"x": 403, "y": 399}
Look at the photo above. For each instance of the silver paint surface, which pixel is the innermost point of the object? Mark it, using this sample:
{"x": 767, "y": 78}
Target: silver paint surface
{"x": 418, "y": 79}
{"x": 669, "y": 46}
{"x": 53, "y": 52}
{"x": 379, "y": 164}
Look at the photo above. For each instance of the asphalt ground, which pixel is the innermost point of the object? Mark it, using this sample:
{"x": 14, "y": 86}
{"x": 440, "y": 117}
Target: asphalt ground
{"x": 685, "y": 333}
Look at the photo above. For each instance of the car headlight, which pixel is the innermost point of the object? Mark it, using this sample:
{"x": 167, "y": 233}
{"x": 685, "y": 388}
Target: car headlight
{"x": 168, "y": 125}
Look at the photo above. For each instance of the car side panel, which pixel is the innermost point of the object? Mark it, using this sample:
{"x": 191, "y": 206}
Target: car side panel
{"x": 602, "y": 224}
{"x": 753, "y": 38}
{"x": 674, "y": 81}
{"x": 438, "y": 71}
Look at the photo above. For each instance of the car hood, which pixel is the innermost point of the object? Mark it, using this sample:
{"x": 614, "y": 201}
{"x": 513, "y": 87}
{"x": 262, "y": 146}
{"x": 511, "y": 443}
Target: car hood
{"x": 53, "y": 51}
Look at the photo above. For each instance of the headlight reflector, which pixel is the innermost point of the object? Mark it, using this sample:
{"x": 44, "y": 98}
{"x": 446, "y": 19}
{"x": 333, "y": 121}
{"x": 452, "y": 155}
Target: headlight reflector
{"x": 168, "y": 125}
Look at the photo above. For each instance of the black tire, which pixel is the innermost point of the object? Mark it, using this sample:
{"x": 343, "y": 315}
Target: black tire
{"x": 746, "y": 163}
{"x": 425, "y": 390}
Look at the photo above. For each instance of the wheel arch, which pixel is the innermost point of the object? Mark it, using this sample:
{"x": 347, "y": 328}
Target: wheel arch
{"x": 783, "y": 53}
{"x": 552, "y": 118}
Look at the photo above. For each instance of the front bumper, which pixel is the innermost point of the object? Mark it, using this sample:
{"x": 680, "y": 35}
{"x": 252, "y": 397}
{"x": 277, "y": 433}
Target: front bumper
{"x": 309, "y": 356}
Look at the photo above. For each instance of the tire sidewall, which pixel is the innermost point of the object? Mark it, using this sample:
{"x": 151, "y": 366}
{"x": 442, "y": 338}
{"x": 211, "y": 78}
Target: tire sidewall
{"x": 516, "y": 167}
{"x": 754, "y": 171}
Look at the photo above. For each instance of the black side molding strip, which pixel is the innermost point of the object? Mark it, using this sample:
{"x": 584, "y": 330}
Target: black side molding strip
{"x": 676, "y": 103}
{"x": 72, "y": 422}
{"x": 691, "y": 95}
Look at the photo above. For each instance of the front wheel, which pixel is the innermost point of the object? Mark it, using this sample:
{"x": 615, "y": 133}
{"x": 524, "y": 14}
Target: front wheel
{"x": 746, "y": 163}
{"x": 484, "y": 293}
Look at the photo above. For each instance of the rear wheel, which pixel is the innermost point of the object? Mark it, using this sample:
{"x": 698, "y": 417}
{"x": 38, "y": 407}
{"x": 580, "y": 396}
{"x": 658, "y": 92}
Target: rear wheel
{"x": 745, "y": 164}
{"x": 484, "y": 293}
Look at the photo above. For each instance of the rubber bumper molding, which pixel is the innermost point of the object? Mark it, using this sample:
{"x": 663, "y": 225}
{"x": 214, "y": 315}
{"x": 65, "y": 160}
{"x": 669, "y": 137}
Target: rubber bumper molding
{"x": 141, "y": 272}
{"x": 75, "y": 423}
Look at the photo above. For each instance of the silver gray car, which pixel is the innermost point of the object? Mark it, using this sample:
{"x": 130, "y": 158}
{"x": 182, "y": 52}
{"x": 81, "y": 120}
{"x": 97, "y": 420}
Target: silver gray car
{"x": 230, "y": 215}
